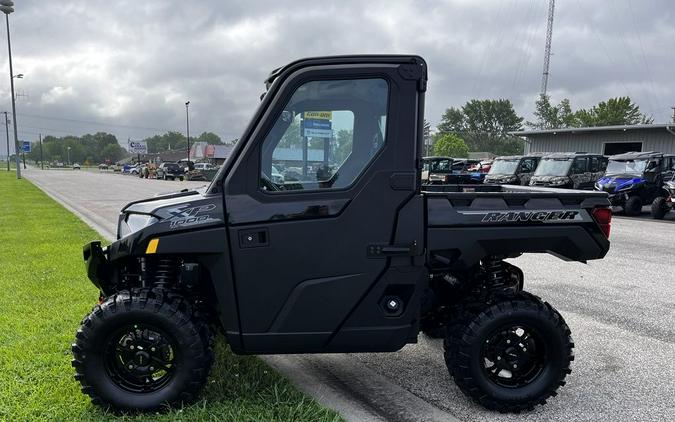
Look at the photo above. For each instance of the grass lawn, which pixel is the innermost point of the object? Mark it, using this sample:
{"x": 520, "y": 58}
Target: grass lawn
{"x": 44, "y": 294}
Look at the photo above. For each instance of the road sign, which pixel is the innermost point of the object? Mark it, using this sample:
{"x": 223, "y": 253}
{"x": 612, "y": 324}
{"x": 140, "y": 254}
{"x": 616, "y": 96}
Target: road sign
{"x": 318, "y": 115}
{"x": 25, "y": 146}
{"x": 138, "y": 147}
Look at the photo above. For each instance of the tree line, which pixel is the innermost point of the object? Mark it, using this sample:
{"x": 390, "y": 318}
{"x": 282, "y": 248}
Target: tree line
{"x": 484, "y": 125}
{"x": 102, "y": 147}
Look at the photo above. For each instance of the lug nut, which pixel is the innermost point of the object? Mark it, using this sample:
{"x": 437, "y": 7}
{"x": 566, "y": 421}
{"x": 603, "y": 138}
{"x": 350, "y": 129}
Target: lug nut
{"x": 152, "y": 368}
{"x": 131, "y": 366}
{"x": 131, "y": 347}
{"x": 499, "y": 358}
{"x": 508, "y": 341}
{"x": 152, "y": 349}
{"x": 515, "y": 366}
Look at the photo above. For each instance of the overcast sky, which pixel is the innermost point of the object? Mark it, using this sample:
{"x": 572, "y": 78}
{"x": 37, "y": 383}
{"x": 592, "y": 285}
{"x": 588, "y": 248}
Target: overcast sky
{"x": 131, "y": 65}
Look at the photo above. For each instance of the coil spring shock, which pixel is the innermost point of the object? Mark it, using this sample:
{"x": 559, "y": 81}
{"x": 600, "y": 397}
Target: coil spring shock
{"x": 165, "y": 272}
{"x": 495, "y": 272}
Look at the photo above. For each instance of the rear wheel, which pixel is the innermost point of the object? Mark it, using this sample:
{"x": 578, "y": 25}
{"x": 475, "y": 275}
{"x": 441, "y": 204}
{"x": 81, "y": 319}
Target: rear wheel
{"x": 659, "y": 208}
{"x": 511, "y": 354}
{"x": 142, "y": 350}
{"x": 633, "y": 206}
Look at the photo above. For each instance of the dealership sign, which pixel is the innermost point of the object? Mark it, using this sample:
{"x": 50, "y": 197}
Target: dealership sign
{"x": 138, "y": 147}
{"x": 317, "y": 124}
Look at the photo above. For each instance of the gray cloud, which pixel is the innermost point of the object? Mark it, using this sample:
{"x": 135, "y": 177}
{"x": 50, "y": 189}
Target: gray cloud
{"x": 135, "y": 63}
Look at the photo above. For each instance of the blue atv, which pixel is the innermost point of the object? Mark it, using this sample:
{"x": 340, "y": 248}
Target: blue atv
{"x": 633, "y": 180}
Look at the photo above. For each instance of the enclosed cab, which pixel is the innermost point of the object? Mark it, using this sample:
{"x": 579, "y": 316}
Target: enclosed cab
{"x": 513, "y": 169}
{"x": 435, "y": 170}
{"x": 569, "y": 170}
{"x": 663, "y": 203}
{"x": 355, "y": 255}
{"x": 635, "y": 179}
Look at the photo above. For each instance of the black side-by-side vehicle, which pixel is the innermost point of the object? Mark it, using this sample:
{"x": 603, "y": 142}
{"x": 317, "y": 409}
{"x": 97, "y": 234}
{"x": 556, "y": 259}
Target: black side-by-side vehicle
{"x": 356, "y": 257}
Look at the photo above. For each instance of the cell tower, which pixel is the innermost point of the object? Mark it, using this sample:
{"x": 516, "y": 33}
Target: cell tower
{"x": 547, "y": 53}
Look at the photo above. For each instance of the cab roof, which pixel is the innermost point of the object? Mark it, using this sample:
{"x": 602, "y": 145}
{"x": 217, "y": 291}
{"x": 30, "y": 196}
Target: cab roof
{"x": 518, "y": 157}
{"x": 634, "y": 155}
{"x": 569, "y": 155}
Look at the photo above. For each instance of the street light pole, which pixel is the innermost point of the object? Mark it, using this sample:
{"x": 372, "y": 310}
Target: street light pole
{"x": 68, "y": 156}
{"x": 187, "y": 124}
{"x": 7, "y": 7}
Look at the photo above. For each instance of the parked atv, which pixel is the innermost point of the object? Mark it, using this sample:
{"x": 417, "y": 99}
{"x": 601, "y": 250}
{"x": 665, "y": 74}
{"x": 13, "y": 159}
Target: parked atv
{"x": 569, "y": 170}
{"x": 356, "y": 259}
{"x": 513, "y": 170}
{"x": 664, "y": 202}
{"x": 635, "y": 179}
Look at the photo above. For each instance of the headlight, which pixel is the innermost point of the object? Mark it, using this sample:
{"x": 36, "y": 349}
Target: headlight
{"x": 133, "y": 223}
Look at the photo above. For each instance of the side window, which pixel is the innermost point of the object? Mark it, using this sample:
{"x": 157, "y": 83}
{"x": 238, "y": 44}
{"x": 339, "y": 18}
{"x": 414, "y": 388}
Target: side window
{"x": 326, "y": 136}
{"x": 579, "y": 165}
{"x": 671, "y": 167}
{"x": 595, "y": 165}
{"x": 603, "y": 163}
{"x": 527, "y": 166}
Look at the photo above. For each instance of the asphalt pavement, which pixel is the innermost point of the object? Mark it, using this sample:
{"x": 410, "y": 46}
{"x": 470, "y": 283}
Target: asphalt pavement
{"x": 621, "y": 311}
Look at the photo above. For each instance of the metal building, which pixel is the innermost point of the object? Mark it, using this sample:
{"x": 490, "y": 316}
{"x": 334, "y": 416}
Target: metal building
{"x": 607, "y": 140}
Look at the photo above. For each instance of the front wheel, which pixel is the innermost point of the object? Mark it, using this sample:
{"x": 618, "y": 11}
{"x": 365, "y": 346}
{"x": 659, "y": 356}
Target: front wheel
{"x": 633, "y": 206}
{"x": 659, "y": 208}
{"x": 142, "y": 350}
{"x": 511, "y": 354}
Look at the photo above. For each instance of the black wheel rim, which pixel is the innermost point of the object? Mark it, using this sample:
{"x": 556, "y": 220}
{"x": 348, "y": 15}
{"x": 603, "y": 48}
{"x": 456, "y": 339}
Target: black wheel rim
{"x": 140, "y": 358}
{"x": 513, "y": 356}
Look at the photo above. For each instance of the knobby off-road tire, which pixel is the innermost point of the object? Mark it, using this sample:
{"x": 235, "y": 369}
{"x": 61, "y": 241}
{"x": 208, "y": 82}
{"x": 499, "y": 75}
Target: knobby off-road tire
{"x": 483, "y": 347}
{"x": 659, "y": 208}
{"x": 633, "y": 206}
{"x": 142, "y": 350}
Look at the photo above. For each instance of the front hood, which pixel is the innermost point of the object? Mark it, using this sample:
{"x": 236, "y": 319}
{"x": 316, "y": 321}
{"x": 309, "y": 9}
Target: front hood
{"x": 617, "y": 182}
{"x": 548, "y": 179}
{"x": 501, "y": 178}
{"x": 179, "y": 211}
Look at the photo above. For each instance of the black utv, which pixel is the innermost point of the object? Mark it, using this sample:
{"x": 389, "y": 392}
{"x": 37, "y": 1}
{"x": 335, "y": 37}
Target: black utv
{"x": 356, "y": 258}
{"x": 569, "y": 170}
{"x": 635, "y": 179}
{"x": 663, "y": 203}
{"x": 513, "y": 169}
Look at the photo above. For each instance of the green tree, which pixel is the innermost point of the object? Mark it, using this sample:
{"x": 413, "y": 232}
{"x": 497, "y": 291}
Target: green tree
{"x": 168, "y": 141}
{"x": 615, "y": 111}
{"x": 210, "y": 138}
{"x": 485, "y": 125}
{"x": 450, "y": 145}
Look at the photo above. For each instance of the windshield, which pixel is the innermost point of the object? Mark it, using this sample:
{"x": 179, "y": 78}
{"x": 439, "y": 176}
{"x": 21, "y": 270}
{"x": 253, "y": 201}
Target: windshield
{"x": 626, "y": 167}
{"x": 440, "y": 165}
{"x": 504, "y": 167}
{"x": 553, "y": 167}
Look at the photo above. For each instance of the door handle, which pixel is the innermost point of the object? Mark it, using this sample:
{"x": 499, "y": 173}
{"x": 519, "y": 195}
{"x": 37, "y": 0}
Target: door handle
{"x": 383, "y": 251}
{"x": 254, "y": 238}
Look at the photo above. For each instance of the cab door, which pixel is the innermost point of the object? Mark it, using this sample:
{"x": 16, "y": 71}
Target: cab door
{"x": 324, "y": 211}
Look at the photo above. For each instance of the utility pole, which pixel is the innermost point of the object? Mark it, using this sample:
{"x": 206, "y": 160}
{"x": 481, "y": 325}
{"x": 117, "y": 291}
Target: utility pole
{"x": 42, "y": 160}
{"x": 7, "y": 7}
{"x": 7, "y": 130}
{"x": 547, "y": 52}
{"x": 187, "y": 124}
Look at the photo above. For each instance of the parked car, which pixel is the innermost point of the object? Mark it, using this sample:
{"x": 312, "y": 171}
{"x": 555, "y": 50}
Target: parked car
{"x": 170, "y": 171}
{"x": 76, "y": 166}
{"x": 636, "y": 179}
{"x": 571, "y": 170}
{"x": 103, "y": 166}
{"x": 203, "y": 166}
{"x": 360, "y": 265}
{"x": 513, "y": 169}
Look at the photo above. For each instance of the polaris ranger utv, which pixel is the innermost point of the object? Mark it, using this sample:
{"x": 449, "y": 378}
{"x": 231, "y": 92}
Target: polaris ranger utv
{"x": 355, "y": 258}
{"x": 570, "y": 170}
{"x": 635, "y": 179}
{"x": 513, "y": 169}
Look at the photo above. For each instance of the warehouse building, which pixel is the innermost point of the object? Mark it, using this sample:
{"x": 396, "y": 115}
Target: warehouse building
{"x": 607, "y": 140}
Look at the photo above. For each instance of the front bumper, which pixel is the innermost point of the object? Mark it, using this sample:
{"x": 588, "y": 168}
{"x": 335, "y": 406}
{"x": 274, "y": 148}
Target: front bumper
{"x": 97, "y": 264}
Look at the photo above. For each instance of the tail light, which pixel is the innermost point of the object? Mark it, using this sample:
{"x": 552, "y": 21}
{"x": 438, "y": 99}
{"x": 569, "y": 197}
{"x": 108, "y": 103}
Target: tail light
{"x": 603, "y": 216}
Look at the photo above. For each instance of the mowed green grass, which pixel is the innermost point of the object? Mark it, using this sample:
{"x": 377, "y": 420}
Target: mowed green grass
{"x": 44, "y": 294}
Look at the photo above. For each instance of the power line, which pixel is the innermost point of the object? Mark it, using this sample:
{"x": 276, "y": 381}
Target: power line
{"x": 93, "y": 122}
